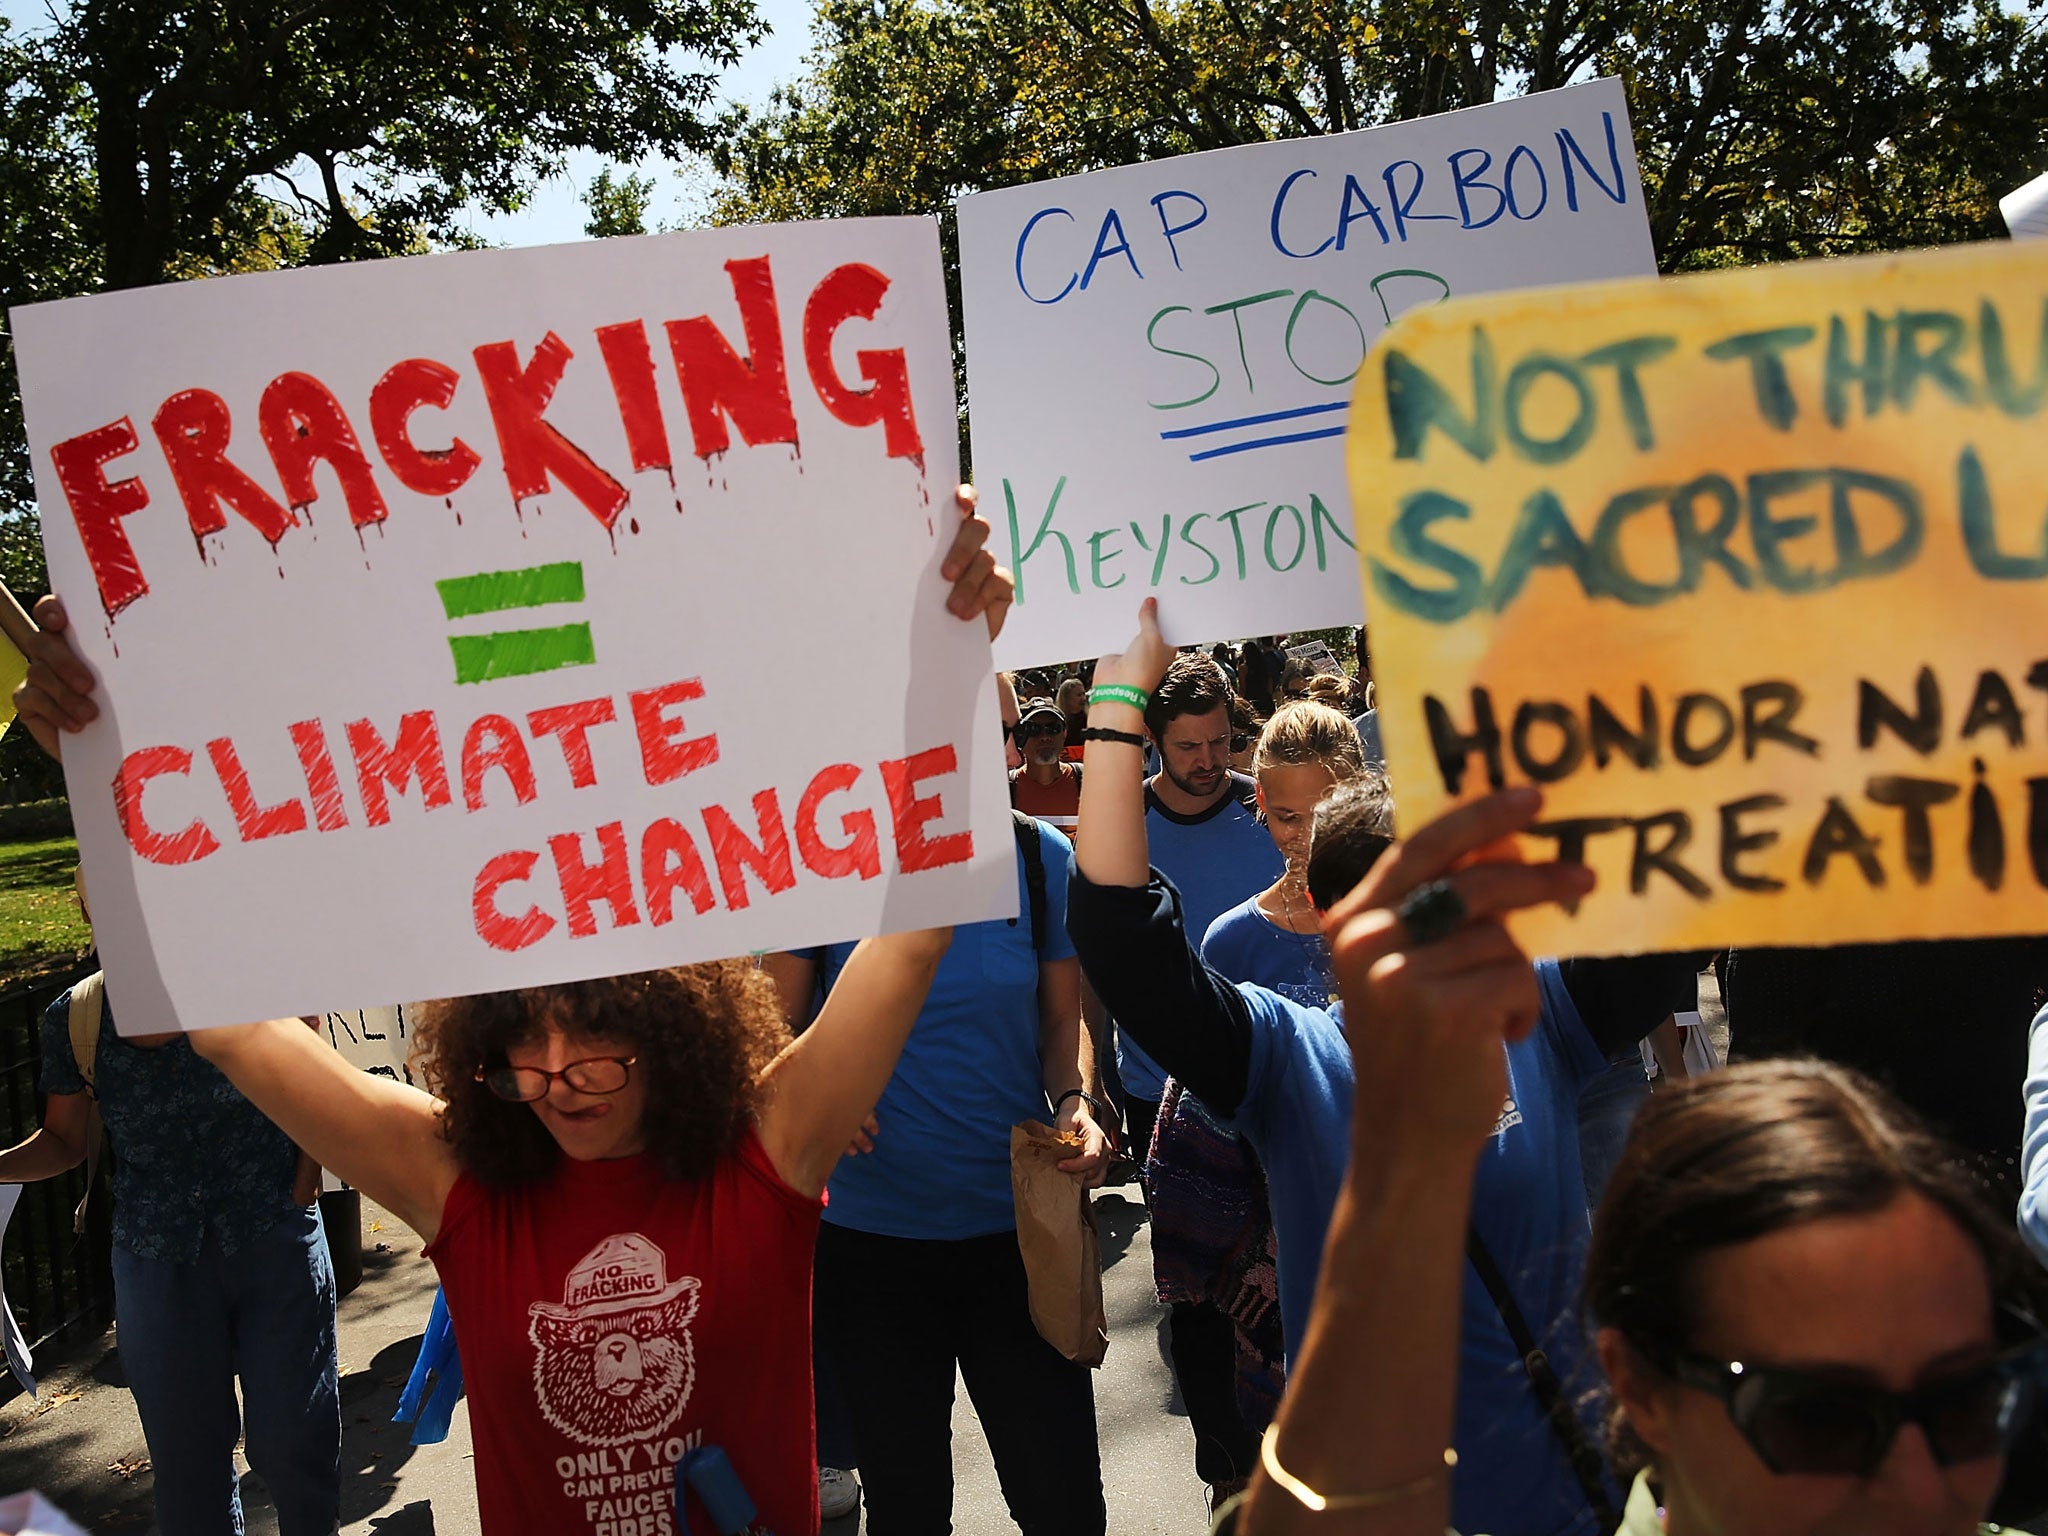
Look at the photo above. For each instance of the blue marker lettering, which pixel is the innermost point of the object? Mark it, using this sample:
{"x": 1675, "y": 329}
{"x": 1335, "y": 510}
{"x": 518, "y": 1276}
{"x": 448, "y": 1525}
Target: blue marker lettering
{"x": 1024, "y": 288}
{"x": 1170, "y": 230}
{"x": 1280, "y": 202}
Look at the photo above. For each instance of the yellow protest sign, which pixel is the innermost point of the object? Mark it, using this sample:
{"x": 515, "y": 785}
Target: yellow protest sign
{"x": 1749, "y": 570}
{"x": 13, "y": 668}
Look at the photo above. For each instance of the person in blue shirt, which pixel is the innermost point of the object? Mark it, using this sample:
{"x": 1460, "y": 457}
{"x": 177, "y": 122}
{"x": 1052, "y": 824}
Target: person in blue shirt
{"x": 1275, "y": 938}
{"x": 918, "y": 1268}
{"x": 1202, "y": 821}
{"x": 1282, "y": 1073}
{"x": 1810, "y": 1322}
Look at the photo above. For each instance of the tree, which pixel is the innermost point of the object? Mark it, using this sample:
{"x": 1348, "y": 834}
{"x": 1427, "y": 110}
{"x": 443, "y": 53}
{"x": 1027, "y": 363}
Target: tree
{"x": 1764, "y": 131}
{"x": 616, "y": 205}
{"x": 146, "y": 141}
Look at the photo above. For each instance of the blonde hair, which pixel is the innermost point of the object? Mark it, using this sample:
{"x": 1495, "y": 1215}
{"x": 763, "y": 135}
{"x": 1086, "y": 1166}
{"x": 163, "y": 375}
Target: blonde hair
{"x": 1305, "y": 734}
{"x": 1328, "y": 688}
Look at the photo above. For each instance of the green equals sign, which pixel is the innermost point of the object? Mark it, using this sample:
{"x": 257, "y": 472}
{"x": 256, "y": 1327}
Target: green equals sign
{"x": 516, "y": 652}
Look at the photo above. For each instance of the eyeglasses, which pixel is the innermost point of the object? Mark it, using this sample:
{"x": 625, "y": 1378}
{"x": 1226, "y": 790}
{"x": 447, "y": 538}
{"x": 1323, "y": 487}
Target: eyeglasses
{"x": 1801, "y": 1424}
{"x": 1025, "y": 730}
{"x": 525, "y": 1085}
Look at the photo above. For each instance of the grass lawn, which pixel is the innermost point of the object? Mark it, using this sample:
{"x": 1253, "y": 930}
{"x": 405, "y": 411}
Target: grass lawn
{"x": 40, "y": 927}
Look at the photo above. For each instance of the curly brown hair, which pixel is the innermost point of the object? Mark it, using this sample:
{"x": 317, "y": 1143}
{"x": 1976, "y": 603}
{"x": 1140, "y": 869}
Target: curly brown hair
{"x": 703, "y": 1035}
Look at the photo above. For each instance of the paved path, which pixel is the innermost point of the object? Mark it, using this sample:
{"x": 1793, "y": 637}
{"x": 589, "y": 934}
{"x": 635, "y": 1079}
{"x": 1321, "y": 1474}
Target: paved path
{"x": 82, "y": 1444}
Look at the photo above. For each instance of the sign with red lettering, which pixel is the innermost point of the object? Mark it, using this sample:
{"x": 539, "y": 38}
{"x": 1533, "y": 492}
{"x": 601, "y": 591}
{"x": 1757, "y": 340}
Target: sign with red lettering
{"x": 507, "y": 617}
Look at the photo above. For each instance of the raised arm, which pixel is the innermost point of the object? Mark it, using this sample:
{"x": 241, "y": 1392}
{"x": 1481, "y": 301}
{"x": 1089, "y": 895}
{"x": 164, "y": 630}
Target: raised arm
{"x": 1109, "y": 841}
{"x": 381, "y": 1136}
{"x": 821, "y": 1088}
{"x": 1367, "y": 1415}
{"x": 1126, "y": 922}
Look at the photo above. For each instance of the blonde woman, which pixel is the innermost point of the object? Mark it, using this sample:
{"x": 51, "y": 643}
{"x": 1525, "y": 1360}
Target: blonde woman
{"x": 1275, "y": 938}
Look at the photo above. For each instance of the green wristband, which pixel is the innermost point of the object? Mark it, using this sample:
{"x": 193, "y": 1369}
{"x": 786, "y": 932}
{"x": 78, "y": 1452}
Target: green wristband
{"x": 1119, "y": 693}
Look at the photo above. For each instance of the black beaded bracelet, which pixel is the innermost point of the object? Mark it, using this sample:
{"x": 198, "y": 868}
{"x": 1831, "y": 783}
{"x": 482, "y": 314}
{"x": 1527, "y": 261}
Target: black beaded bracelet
{"x": 1094, "y": 1104}
{"x": 1104, "y": 733}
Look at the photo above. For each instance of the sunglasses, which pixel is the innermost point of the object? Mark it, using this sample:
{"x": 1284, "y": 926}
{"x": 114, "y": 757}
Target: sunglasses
{"x": 1805, "y": 1425}
{"x": 526, "y": 1085}
{"x": 1025, "y": 732}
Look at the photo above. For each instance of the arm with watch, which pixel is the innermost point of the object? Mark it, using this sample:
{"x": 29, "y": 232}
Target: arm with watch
{"x": 1068, "y": 1065}
{"x": 1125, "y": 920}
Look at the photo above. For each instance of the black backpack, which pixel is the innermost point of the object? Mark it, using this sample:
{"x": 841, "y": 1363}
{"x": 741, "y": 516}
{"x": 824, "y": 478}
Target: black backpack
{"x": 1033, "y": 855}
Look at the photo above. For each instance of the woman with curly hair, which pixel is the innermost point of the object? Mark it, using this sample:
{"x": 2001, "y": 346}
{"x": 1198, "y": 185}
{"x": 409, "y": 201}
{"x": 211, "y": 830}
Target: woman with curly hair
{"x": 620, "y": 1183}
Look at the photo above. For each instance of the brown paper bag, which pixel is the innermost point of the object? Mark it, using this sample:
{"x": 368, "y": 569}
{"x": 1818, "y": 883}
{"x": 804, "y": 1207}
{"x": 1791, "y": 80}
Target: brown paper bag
{"x": 1062, "y": 1255}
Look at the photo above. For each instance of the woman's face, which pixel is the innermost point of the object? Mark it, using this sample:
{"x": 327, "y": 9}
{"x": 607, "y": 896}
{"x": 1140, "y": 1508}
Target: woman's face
{"x": 1898, "y": 1299}
{"x": 1288, "y": 794}
{"x": 586, "y": 1126}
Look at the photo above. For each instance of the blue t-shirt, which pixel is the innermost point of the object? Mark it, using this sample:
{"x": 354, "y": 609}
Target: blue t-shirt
{"x": 1246, "y": 945}
{"x": 193, "y": 1159}
{"x": 1528, "y": 1204}
{"x": 1215, "y": 859}
{"x": 970, "y": 1071}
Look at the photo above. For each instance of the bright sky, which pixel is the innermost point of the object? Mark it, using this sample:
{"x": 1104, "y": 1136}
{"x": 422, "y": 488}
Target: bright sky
{"x": 681, "y": 190}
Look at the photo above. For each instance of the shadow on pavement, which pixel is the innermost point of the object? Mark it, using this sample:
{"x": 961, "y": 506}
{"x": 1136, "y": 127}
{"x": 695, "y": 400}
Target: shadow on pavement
{"x": 1117, "y": 1220}
{"x": 80, "y": 1444}
{"x": 372, "y": 1447}
{"x": 414, "y": 1519}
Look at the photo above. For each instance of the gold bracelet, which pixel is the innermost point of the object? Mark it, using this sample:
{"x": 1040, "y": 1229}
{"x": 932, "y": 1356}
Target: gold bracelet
{"x": 1316, "y": 1503}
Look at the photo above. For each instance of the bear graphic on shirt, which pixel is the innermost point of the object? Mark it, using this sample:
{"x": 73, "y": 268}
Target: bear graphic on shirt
{"x": 613, "y": 1362}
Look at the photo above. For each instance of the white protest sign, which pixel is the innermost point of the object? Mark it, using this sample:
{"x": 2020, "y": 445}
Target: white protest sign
{"x": 1160, "y": 356}
{"x": 2026, "y": 209}
{"x": 375, "y": 1040}
{"x": 14, "y": 1345}
{"x": 1317, "y": 660}
{"x": 466, "y": 622}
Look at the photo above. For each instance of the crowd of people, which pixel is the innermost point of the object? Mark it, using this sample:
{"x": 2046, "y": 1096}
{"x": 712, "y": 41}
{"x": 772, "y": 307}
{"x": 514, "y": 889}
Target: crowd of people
{"x": 1449, "y": 1235}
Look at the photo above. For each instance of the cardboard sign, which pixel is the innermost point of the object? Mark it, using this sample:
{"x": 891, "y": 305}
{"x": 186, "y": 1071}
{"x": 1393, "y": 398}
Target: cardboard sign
{"x": 1159, "y": 356}
{"x": 1750, "y": 572}
{"x": 487, "y": 620}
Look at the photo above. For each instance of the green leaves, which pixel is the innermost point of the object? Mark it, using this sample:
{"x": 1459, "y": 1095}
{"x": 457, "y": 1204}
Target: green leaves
{"x": 1765, "y": 131}
{"x": 142, "y": 141}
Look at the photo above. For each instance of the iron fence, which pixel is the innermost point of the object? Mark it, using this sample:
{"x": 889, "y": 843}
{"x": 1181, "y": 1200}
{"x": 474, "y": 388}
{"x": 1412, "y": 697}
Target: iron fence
{"x": 58, "y": 1283}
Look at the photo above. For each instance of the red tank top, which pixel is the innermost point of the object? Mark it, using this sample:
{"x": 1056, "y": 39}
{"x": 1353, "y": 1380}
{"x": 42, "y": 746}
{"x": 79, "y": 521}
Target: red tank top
{"x": 611, "y": 1319}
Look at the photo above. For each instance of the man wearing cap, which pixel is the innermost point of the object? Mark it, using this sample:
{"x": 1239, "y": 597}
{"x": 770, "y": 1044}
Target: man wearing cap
{"x": 1047, "y": 786}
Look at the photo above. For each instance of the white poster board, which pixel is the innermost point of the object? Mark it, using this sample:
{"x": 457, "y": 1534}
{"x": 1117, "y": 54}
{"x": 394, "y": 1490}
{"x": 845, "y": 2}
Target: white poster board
{"x": 375, "y": 1040}
{"x": 2026, "y": 209}
{"x": 1317, "y": 660}
{"x": 1160, "y": 356}
{"x": 14, "y": 1345}
{"x": 489, "y": 620}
